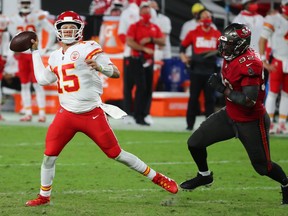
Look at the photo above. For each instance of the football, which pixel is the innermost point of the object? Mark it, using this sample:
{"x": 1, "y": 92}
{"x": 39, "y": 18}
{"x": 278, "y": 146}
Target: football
{"x": 22, "y": 41}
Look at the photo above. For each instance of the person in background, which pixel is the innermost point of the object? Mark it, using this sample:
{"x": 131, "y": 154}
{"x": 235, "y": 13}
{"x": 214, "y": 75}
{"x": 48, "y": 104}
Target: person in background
{"x": 252, "y": 19}
{"x": 275, "y": 28}
{"x": 162, "y": 54}
{"x": 142, "y": 37}
{"x": 164, "y": 22}
{"x": 81, "y": 107}
{"x": 128, "y": 16}
{"x": 203, "y": 40}
{"x": 4, "y": 47}
{"x": 106, "y": 31}
{"x": 191, "y": 24}
{"x": 243, "y": 117}
{"x": 31, "y": 20}
{"x": 115, "y": 9}
{"x": 99, "y": 7}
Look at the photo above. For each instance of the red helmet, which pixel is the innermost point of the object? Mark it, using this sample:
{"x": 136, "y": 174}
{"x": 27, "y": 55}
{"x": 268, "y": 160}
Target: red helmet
{"x": 69, "y": 17}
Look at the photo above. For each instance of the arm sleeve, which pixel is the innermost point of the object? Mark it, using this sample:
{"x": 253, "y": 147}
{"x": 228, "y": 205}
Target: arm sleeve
{"x": 102, "y": 59}
{"x": 187, "y": 40}
{"x": 44, "y": 76}
{"x": 268, "y": 27}
{"x": 5, "y": 43}
{"x": 247, "y": 97}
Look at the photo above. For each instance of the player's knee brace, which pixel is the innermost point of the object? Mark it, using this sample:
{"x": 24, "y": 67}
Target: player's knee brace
{"x": 48, "y": 161}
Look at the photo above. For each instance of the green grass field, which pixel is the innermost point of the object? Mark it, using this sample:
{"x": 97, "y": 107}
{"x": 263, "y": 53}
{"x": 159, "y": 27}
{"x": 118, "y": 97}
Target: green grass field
{"x": 88, "y": 183}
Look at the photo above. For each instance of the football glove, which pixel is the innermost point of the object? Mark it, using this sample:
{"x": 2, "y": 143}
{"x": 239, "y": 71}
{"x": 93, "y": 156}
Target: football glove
{"x": 215, "y": 82}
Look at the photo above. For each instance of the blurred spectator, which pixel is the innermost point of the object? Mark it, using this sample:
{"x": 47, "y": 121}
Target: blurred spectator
{"x": 191, "y": 24}
{"x": 162, "y": 53}
{"x": 98, "y": 7}
{"x": 115, "y": 8}
{"x": 31, "y": 20}
{"x": 203, "y": 63}
{"x": 128, "y": 16}
{"x": 4, "y": 47}
{"x": 275, "y": 28}
{"x": 164, "y": 22}
{"x": 108, "y": 34}
{"x": 142, "y": 37}
{"x": 252, "y": 19}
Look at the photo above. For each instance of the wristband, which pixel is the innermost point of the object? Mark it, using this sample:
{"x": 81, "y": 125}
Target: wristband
{"x": 263, "y": 58}
{"x": 151, "y": 40}
{"x": 106, "y": 70}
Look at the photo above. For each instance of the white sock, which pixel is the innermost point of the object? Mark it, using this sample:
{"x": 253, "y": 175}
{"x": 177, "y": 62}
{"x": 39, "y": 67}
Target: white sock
{"x": 136, "y": 164}
{"x": 40, "y": 97}
{"x": 47, "y": 175}
{"x": 206, "y": 173}
{"x": 26, "y": 98}
{"x": 270, "y": 104}
{"x": 283, "y": 107}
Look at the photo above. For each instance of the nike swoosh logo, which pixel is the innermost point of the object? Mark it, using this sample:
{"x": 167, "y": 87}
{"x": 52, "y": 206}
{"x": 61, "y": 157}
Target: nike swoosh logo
{"x": 94, "y": 117}
{"x": 248, "y": 64}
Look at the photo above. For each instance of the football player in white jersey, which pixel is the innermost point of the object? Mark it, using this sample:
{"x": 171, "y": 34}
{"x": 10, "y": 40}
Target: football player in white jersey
{"x": 252, "y": 19}
{"x": 75, "y": 67}
{"x": 31, "y": 20}
{"x": 276, "y": 28}
{"x": 4, "y": 47}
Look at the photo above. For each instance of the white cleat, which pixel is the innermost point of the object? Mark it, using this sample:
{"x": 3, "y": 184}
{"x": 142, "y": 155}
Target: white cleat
{"x": 281, "y": 129}
{"x": 149, "y": 119}
{"x": 129, "y": 119}
{"x": 272, "y": 129}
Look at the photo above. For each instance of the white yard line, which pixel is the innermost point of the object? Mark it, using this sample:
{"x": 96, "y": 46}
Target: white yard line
{"x": 149, "y": 163}
{"x": 146, "y": 190}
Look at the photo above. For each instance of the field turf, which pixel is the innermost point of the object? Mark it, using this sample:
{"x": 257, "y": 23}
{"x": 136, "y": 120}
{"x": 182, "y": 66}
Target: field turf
{"x": 88, "y": 183}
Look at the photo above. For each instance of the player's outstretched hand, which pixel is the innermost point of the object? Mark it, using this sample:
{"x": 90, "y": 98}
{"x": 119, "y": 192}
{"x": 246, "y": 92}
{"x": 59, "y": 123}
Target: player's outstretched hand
{"x": 215, "y": 82}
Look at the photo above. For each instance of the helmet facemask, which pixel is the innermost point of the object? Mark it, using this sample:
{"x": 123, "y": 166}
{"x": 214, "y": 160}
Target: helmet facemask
{"x": 234, "y": 41}
{"x": 69, "y": 35}
{"x": 25, "y": 6}
{"x": 69, "y": 27}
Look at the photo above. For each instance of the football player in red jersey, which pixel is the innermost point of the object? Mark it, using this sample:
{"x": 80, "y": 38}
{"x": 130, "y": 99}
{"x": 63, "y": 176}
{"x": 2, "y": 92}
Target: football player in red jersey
{"x": 244, "y": 115}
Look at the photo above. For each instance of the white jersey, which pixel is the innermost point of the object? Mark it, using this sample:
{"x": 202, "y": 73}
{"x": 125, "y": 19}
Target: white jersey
{"x": 129, "y": 16}
{"x": 79, "y": 86}
{"x": 276, "y": 28}
{"x": 35, "y": 21}
{"x": 164, "y": 24}
{"x": 4, "y": 36}
{"x": 254, "y": 22}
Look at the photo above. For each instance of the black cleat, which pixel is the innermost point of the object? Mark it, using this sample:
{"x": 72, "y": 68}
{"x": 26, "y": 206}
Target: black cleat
{"x": 198, "y": 181}
{"x": 284, "y": 195}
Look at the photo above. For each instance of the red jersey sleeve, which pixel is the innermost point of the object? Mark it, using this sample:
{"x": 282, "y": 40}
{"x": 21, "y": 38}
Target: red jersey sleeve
{"x": 159, "y": 33}
{"x": 131, "y": 31}
{"x": 188, "y": 40}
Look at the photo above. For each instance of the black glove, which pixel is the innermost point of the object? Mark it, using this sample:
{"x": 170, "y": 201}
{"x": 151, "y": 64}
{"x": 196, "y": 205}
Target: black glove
{"x": 215, "y": 82}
